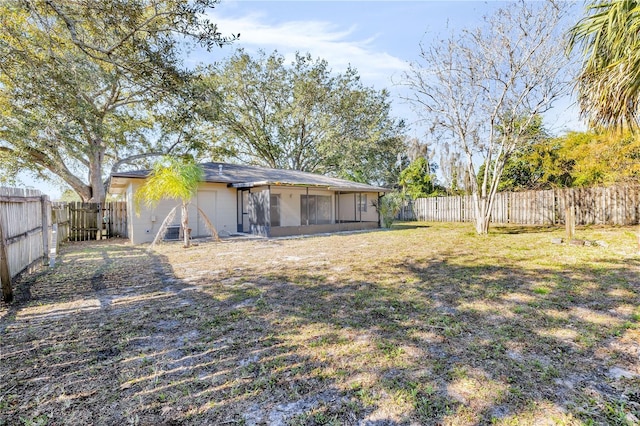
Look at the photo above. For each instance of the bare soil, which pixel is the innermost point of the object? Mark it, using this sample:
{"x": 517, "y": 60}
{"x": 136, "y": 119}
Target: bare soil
{"x": 423, "y": 324}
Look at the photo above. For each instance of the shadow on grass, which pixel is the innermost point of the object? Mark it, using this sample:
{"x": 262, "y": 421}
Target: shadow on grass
{"x": 408, "y": 225}
{"x": 111, "y": 336}
{"x": 480, "y": 344}
{"x": 494, "y": 229}
{"x": 522, "y": 229}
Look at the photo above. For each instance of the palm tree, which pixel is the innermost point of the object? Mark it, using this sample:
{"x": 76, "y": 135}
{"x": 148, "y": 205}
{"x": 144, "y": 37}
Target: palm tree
{"x": 609, "y": 83}
{"x": 177, "y": 179}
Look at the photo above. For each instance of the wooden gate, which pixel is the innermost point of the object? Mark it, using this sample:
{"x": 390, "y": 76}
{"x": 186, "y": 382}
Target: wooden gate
{"x": 95, "y": 221}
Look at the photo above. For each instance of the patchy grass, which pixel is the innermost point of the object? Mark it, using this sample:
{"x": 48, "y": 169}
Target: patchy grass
{"x": 423, "y": 324}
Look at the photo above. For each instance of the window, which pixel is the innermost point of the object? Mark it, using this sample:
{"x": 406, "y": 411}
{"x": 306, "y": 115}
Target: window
{"x": 315, "y": 209}
{"x": 275, "y": 209}
{"x": 361, "y": 202}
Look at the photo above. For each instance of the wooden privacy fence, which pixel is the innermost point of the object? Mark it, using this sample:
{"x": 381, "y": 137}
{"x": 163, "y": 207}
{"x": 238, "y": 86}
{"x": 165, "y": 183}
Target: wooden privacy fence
{"x": 60, "y": 216}
{"x": 32, "y": 227}
{"x": 25, "y": 220}
{"x": 615, "y": 205}
{"x": 91, "y": 221}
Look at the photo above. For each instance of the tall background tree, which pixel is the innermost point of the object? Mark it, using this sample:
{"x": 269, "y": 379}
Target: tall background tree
{"x": 303, "y": 116}
{"x": 481, "y": 89}
{"x": 454, "y": 174}
{"x": 517, "y": 172}
{"x": 87, "y": 87}
{"x": 609, "y": 82}
{"x": 417, "y": 176}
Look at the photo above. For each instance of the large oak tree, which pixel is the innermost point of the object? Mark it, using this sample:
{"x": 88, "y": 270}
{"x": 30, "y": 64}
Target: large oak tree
{"x": 89, "y": 86}
{"x": 303, "y": 116}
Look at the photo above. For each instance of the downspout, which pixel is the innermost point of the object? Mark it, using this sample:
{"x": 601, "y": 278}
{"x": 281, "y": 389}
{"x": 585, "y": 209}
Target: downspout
{"x": 380, "y": 204}
{"x": 238, "y": 213}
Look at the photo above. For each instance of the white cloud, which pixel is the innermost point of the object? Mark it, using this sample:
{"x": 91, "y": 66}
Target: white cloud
{"x": 321, "y": 39}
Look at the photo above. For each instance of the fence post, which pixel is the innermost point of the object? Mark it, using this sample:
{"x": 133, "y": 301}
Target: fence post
{"x": 570, "y": 221}
{"x": 44, "y": 204}
{"x": 54, "y": 245}
{"x": 5, "y": 276}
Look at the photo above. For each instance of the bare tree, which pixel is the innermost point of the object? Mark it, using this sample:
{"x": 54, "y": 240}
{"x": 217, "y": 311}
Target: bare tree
{"x": 480, "y": 90}
{"x": 455, "y": 178}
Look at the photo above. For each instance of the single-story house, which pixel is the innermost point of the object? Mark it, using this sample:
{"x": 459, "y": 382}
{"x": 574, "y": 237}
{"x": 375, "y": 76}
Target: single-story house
{"x": 257, "y": 200}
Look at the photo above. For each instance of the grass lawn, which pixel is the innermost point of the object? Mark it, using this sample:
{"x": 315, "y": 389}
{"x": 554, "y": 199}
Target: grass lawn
{"x": 423, "y": 324}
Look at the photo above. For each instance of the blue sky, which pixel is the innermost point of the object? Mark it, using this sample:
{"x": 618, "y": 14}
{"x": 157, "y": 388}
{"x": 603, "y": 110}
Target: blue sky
{"x": 378, "y": 38}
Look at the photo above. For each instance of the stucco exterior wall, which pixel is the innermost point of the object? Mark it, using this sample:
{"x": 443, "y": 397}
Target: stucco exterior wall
{"x": 321, "y": 229}
{"x": 216, "y": 200}
{"x": 128, "y": 197}
{"x": 220, "y": 203}
{"x": 289, "y": 204}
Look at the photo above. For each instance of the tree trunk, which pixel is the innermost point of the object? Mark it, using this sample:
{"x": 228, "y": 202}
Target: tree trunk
{"x": 483, "y": 217}
{"x": 98, "y": 192}
{"x": 482, "y": 225}
{"x": 185, "y": 226}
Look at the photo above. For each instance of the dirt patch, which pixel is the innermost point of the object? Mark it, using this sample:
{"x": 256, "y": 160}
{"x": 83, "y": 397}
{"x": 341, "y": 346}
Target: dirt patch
{"x": 423, "y": 325}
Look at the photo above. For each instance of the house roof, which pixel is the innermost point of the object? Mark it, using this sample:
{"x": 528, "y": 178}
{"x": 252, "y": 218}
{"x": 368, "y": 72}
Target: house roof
{"x": 241, "y": 176}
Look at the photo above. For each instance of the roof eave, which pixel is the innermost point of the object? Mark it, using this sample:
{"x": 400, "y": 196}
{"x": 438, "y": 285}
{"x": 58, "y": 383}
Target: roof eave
{"x": 119, "y": 184}
{"x": 240, "y": 185}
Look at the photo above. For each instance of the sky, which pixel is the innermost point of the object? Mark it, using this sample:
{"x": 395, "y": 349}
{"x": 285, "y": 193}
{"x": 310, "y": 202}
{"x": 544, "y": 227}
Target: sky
{"x": 378, "y": 38}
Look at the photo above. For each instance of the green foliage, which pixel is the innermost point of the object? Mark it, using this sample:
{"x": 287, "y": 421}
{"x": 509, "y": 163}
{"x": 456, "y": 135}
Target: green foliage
{"x": 538, "y": 166}
{"x": 533, "y": 163}
{"x": 88, "y": 87}
{"x": 388, "y": 207}
{"x": 417, "y": 181}
{"x": 597, "y": 158}
{"x": 573, "y": 160}
{"x": 172, "y": 178}
{"x": 302, "y": 116}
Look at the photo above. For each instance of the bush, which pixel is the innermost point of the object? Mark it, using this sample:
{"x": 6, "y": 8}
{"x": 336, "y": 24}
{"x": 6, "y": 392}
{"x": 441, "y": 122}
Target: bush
{"x": 388, "y": 206}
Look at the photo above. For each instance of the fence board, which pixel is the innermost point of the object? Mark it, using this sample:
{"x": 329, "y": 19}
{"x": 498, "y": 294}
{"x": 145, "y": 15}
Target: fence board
{"x": 117, "y": 219}
{"x": 60, "y": 216}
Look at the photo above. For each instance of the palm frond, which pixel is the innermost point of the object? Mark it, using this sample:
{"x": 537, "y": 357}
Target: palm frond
{"x": 163, "y": 228}
{"x": 170, "y": 178}
{"x": 209, "y": 225}
{"x": 609, "y": 83}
